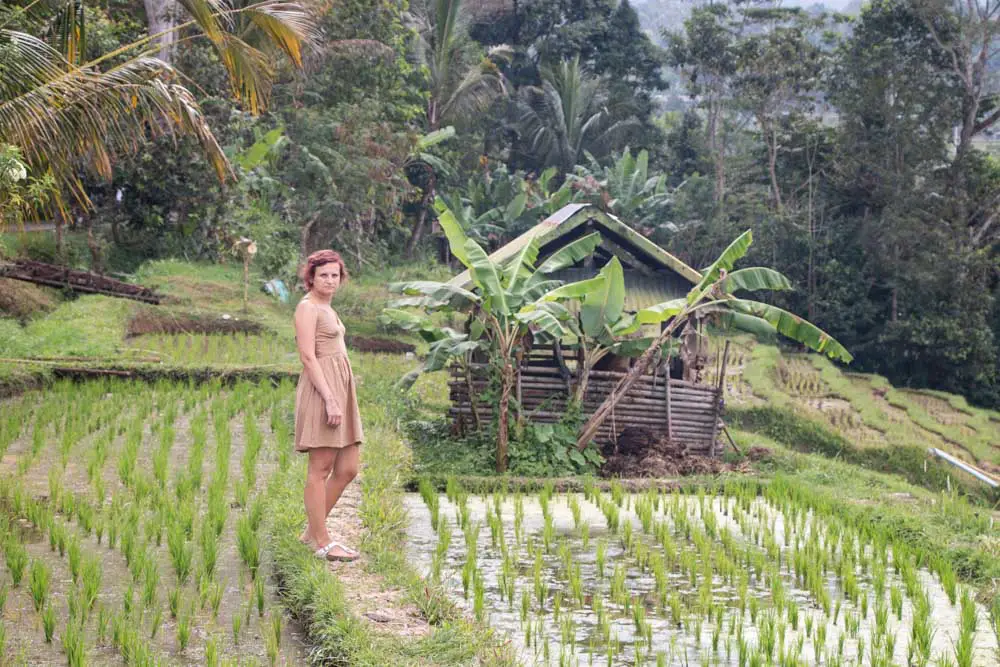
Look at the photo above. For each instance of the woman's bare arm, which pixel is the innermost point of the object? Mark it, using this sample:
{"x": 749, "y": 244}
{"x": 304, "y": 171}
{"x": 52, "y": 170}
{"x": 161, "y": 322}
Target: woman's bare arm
{"x": 306, "y": 316}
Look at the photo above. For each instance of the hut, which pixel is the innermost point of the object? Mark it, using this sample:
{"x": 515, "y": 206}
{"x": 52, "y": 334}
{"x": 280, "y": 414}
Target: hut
{"x": 670, "y": 400}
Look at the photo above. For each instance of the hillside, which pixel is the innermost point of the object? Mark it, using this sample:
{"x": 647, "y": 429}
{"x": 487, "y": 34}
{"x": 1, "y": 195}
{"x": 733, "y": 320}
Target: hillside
{"x": 863, "y": 410}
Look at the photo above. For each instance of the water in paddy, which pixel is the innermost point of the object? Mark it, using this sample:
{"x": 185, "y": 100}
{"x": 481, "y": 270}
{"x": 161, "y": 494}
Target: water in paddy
{"x": 603, "y": 627}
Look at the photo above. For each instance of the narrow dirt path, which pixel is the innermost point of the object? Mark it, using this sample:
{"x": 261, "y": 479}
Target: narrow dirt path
{"x": 370, "y": 597}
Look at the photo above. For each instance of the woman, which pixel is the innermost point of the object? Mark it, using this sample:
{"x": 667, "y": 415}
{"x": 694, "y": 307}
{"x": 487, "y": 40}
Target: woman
{"x": 327, "y": 420}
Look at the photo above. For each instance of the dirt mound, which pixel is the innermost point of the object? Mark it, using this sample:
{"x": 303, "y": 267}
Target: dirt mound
{"x": 376, "y": 344}
{"x": 22, "y": 300}
{"x": 641, "y": 453}
{"x": 163, "y": 322}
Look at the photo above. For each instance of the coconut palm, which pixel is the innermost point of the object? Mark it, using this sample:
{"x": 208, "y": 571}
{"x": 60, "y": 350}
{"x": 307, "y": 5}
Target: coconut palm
{"x": 461, "y": 82}
{"x": 567, "y": 116}
{"x": 66, "y": 116}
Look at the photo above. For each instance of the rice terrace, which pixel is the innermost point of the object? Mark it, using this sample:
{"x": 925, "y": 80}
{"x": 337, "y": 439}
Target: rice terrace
{"x": 446, "y": 333}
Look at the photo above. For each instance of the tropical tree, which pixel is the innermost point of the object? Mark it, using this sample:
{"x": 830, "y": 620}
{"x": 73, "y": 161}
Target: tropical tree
{"x": 569, "y": 114}
{"x": 64, "y": 114}
{"x": 461, "y": 82}
{"x": 625, "y": 188}
{"x": 715, "y": 294}
{"x": 496, "y": 323}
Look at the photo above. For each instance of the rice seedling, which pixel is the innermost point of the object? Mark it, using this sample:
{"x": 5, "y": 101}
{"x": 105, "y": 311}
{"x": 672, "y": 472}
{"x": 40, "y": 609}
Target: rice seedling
{"x": 38, "y": 583}
{"x": 921, "y": 632}
{"x": 948, "y": 580}
{"x": 212, "y": 652}
{"x": 964, "y": 648}
{"x": 155, "y": 621}
{"x": 91, "y": 581}
{"x": 896, "y": 600}
{"x": 72, "y": 645}
{"x": 479, "y": 596}
{"x": 215, "y": 598}
{"x": 259, "y": 596}
{"x": 601, "y": 557}
{"x": 49, "y": 623}
{"x": 273, "y": 639}
{"x": 184, "y": 628}
{"x": 174, "y": 601}
{"x": 17, "y": 558}
{"x": 181, "y": 553}
{"x": 237, "y": 626}
{"x": 441, "y": 550}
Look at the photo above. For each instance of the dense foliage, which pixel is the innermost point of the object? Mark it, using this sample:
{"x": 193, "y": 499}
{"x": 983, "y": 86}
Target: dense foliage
{"x": 860, "y": 150}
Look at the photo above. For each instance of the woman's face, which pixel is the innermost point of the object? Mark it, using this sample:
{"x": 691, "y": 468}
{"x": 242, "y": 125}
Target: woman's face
{"x": 326, "y": 280}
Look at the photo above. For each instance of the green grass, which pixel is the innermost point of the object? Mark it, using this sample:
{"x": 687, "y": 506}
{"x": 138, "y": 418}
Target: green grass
{"x": 88, "y": 326}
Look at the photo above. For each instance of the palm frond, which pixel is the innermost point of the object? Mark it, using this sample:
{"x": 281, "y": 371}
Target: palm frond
{"x": 288, "y": 27}
{"x": 63, "y": 118}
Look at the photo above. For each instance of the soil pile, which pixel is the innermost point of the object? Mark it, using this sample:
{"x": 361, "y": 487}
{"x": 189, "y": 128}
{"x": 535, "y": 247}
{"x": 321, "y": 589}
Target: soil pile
{"x": 149, "y": 321}
{"x": 23, "y": 301}
{"x": 376, "y": 344}
{"x": 642, "y": 453}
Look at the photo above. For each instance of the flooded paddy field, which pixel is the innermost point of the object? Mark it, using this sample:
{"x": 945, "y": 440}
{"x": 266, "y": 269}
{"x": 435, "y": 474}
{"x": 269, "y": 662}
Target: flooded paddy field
{"x": 744, "y": 577}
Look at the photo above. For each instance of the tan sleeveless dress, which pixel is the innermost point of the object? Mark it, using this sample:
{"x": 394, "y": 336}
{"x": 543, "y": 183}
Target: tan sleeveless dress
{"x": 311, "y": 429}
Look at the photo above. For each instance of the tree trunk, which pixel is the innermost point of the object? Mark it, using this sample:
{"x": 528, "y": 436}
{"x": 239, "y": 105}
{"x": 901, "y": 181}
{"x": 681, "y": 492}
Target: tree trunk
{"x": 95, "y": 250}
{"x": 506, "y": 385}
{"x": 60, "y": 246}
{"x": 771, "y": 139}
{"x": 161, "y": 15}
{"x": 418, "y": 229}
{"x": 305, "y": 235}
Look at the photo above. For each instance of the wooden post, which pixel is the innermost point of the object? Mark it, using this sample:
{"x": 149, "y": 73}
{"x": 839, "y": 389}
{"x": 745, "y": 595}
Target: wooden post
{"x": 666, "y": 392}
{"x": 718, "y": 397}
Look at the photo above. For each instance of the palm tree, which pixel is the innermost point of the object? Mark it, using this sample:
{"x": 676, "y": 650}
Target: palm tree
{"x": 567, "y": 116}
{"x": 461, "y": 82}
{"x": 65, "y": 115}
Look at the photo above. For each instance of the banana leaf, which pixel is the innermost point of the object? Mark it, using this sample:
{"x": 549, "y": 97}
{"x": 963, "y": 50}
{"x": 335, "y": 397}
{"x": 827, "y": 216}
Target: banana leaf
{"x": 522, "y": 266}
{"x": 570, "y": 254}
{"x": 439, "y": 293}
{"x": 452, "y": 230}
{"x": 753, "y": 279}
{"x": 486, "y": 275}
{"x": 736, "y": 250}
{"x": 794, "y": 327}
{"x": 604, "y": 305}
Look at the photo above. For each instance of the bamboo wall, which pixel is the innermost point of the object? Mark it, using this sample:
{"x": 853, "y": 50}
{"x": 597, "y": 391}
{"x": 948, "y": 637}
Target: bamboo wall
{"x": 688, "y": 412}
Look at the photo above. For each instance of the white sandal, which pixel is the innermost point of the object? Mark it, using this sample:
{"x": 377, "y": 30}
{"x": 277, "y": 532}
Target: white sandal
{"x": 324, "y": 553}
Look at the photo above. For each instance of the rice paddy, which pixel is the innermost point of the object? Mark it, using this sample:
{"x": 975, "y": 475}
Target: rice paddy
{"x": 130, "y": 519}
{"x": 750, "y": 575}
{"x": 199, "y": 349}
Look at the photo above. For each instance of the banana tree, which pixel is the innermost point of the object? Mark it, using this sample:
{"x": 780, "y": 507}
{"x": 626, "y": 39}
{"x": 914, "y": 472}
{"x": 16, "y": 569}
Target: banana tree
{"x": 493, "y": 307}
{"x": 716, "y": 293}
{"x": 601, "y": 326}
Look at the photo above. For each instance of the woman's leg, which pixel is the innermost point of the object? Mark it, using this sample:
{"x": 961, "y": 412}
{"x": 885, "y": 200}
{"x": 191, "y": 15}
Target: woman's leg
{"x": 321, "y": 462}
{"x": 345, "y": 469}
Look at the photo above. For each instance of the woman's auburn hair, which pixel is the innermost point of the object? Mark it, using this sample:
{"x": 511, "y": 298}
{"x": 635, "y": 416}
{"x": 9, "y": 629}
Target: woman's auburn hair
{"x": 308, "y": 270}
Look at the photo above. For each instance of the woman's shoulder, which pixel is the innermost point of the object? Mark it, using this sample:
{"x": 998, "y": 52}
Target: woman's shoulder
{"x": 306, "y": 306}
